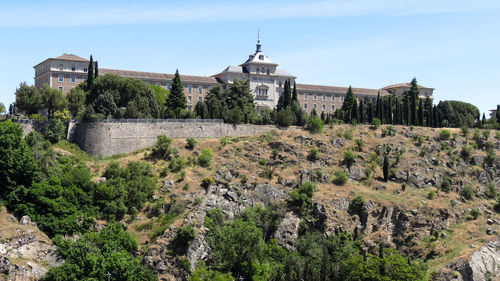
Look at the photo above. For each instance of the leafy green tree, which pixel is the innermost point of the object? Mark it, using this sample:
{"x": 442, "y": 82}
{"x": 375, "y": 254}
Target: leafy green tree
{"x": 53, "y": 99}
{"x": 239, "y": 95}
{"x": 295, "y": 96}
{"x": 349, "y": 106}
{"x": 457, "y": 113}
{"x": 95, "y": 254}
{"x": 76, "y": 102}
{"x": 201, "y": 110}
{"x": 176, "y": 100}
{"x": 162, "y": 148}
{"x": 54, "y": 130}
{"x": 105, "y": 104}
{"x": 235, "y": 116}
{"x": 17, "y": 167}
{"x": 161, "y": 96}
{"x": 301, "y": 197}
{"x": 205, "y": 157}
{"x": 285, "y": 117}
{"x": 202, "y": 273}
{"x": 28, "y": 98}
{"x": 2, "y": 108}
{"x": 314, "y": 124}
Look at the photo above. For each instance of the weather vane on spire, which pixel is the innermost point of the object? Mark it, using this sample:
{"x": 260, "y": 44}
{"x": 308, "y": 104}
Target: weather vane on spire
{"x": 258, "y": 41}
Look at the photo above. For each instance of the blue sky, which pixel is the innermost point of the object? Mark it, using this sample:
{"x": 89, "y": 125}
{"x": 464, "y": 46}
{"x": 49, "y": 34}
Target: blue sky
{"x": 450, "y": 45}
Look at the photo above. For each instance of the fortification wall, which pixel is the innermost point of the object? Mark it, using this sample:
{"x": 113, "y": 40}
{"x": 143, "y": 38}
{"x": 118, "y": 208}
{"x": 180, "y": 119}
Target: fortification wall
{"x": 100, "y": 138}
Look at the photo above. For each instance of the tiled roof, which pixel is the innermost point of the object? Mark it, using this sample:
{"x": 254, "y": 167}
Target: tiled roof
{"x": 342, "y": 90}
{"x": 70, "y": 57}
{"x": 157, "y": 76}
{"x": 403, "y": 85}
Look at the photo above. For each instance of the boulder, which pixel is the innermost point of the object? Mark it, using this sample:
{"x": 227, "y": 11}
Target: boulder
{"x": 355, "y": 173}
{"x": 25, "y": 220}
{"x": 198, "y": 250}
{"x": 288, "y": 231}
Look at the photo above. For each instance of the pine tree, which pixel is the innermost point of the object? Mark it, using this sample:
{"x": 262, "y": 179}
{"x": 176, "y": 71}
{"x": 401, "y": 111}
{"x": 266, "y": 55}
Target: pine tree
{"x": 348, "y": 106}
{"x": 176, "y": 100}
{"x": 90, "y": 74}
{"x": 295, "y": 96}
{"x": 96, "y": 72}
{"x": 414, "y": 96}
{"x": 421, "y": 113}
{"x": 287, "y": 99}
{"x": 354, "y": 111}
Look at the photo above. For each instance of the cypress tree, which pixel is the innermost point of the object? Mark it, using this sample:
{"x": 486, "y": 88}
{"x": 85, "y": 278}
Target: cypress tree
{"x": 406, "y": 108}
{"x": 361, "y": 114}
{"x": 90, "y": 73}
{"x": 414, "y": 96}
{"x": 483, "y": 121}
{"x": 370, "y": 111}
{"x": 396, "y": 110}
{"x": 96, "y": 72}
{"x": 348, "y": 106}
{"x": 428, "y": 112}
{"x": 322, "y": 116}
{"x": 498, "y": 113}
{"x": 354, "y": 111}
{"x": 176, "y": 101}
{"x": 385, "y": 168}
{"x": 287, "y": 99}
{"x": 389, "y": 110}
{"x": 421, "y": 112}
{"x": 295, "y": 96}
{"x": 378, "y": 109}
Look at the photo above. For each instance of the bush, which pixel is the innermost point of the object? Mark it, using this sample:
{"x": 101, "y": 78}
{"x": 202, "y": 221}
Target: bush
{"x": 467, "y": 192}
{"x": 359, "y": 144}
{"x": 431, "y": 195}
{"x": 314, "y": 125}
{"x": 184, "y": 237}
{"x": 206, "y": 182}
{"x": 444, "y": 135}
{"x": 446, "y": 184}
{"x": 466, "y": 152}
{"x": 205, "y": 157}
{"x": 302, "y": 196}
{"x": 177, "y": 164}
{"x": 357, "y": 205}
{"x": 465, "y": 131}
{"x": 474, "y": 213}
{"x": 340, "y": 178}
{"x": 490, "y": 157}
{"x": 385, "y": 168}
{"x": 349, "y": 158}
{"x": 285, "y": 117}
{"x": 375, "y": 123}
{"x": 491, "y": 190}
{"x": 313, "y": 154}
{"x": 162, "y": 148}
{"x": 191, "y": 143}
{"x": 54, "y": 130}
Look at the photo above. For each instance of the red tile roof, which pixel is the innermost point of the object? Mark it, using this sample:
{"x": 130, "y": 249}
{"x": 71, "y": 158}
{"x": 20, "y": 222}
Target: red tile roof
{"x": 408, "y": 85}
{"x": 70, "y": 57}
{"x": 157, "y": 76}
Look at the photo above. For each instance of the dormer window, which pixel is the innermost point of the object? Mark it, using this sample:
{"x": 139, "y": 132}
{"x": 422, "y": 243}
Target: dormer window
{"x": 261, "y": 57}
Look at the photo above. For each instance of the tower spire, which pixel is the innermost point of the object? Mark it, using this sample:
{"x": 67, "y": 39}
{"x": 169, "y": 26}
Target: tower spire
{"x": 258, "y": 41}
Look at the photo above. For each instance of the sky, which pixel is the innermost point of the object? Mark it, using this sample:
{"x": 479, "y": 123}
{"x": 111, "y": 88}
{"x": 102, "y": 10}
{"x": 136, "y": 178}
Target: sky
{"x": 450, "y": 45}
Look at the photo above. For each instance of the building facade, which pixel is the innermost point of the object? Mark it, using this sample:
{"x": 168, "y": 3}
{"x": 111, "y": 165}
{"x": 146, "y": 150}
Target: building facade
{"x": 265, "y": 78}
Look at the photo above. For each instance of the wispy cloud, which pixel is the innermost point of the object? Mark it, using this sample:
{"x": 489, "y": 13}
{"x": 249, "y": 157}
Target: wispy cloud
{"x": 88, "y": 13}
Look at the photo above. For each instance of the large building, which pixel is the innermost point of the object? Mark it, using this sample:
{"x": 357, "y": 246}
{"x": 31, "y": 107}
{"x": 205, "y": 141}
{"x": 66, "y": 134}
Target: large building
{"x": 266, "y": 82}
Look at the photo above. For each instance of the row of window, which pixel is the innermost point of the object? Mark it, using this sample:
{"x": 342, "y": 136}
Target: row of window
{"x": 73, "y": 68}
{"x": 190, "y": 99}
{"x": 323, "y": 107}
{"x": 323, "y": 97}
{"x": 263, "y": 70}
{"x": 72, "y": 78}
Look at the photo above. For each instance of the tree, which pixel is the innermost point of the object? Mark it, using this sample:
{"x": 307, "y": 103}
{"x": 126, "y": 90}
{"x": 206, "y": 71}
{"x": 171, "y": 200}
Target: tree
{"x": 285, "y": 117}
{"x": 389, "y": 110}
{"x": 239, "y": 95}
{"x": 314, "y": 124}
{"x": 456, "y": 113}
{"x": 498, "y": 113}
{"x": 17, "y": 166}
{"x": 361, "y": 114}
{"x": 421, "y": 113}
{"x": 53, "y": 99}
{"x": 301, "y": 197}
{"x": 378, "y": 109}
{"x": 414, "y": 97}
{"x": 2, "y": 108}
{"x": 428, "y": 112}
{"x": 90, "y": 74}
{"x": 96, "y": 71}
{"x": 349, "y": 106}
{"x": 161, "y": 96}
{"x": 386, "y": 168}
{"x": 201, "y": 110}
{"x": 176, "y": 100}
{"x": 28, "y": 98}
{"x": 105, "y": 104}
{"x": 295, "y": 96}
{"x": 76, "y": 102}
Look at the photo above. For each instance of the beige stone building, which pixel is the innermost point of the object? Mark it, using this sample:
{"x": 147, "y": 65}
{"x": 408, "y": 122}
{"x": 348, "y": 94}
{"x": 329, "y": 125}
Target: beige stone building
{"x": 266, "y": 82}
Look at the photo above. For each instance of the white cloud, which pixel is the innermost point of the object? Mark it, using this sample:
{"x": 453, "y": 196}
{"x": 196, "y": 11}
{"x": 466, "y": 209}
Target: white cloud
{"x": 123, "y": 13}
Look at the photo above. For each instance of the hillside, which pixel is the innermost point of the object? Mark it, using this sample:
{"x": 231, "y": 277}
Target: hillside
{"x": 437, "y": 204}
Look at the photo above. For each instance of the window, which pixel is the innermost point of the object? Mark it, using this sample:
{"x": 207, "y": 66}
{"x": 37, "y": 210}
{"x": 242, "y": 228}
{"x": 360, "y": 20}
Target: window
{"x": 333, "y": 98}
{"x": 305, "y": 105}
{"x": 257, "y": 71}
{"x": 305, "y": 96}
{"x": 85, "y": 69}
{"x": 61, "y": 67}
{"x": 262, "y": 92}
{"x": 200, "y": 98}
{"x": 263, "y": 70}
{"x": 333, "y": 108}
{"x": 280, "y": 84}
{"x": 268, "y": 71}
{"x": 341, "y": 99}
{"x": 323, "y": 97}
{"x": 190, "y": 99}
{"x": 323, "y": 107}
{"x": 261, "y": 57}
{"x": 60, "y": 78}
{"x": 200, "y": 88}
{"x": 169, "y": 86}
{"x": 190, "y": 88}
{"x": 60, "y": 88}
{"x": 73, "y": 68}
{"x": 314, "y": 97}
{"x": 73, "y": 79}
{"x": 157, "y": 84}
{"x": 314, "y": 106}
{"x": 279, "y": 94}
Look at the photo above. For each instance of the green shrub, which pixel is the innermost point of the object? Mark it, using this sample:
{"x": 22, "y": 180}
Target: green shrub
{"x": 490, "y": 157}
{"x": 446, "y": 184}
{"x": 205, "y": 157}
{"x": 444, "y": 135}
{"x": 262, "y": 162}
{"x": 191, "y": 143}
{"x": 474, "y": 213}
{"x": 340, "y": 178}
{"x": 54, "y": 130}
{"x": 313, "y": 154}
{"x": 314, "y": 125}
{"x": 177, "y": 164}
{"x": 375, "y": 123}
{"x": 244, "y": 179}
{"x": 467, "y": 192}
{"x": 301, "y": 197}
{"x": 275, "y": 153}
{"x": 431, "y": 195}
{"x": 144, "y": 226}
{"x": 285, "y": 117}
{"x": 184, "y": 237}
{"x": 465, "y": 131}
{"x": 466, "y": 152}
{"x": 357, "y": 205}
{"x": 206, "y": 182}
{"x": 491, "y": 190}
{"x": 349, "y": 158}
{"x": 359, "y": 144}
{"x": 348, "y": 135}
{"x": 162, "y": 148}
